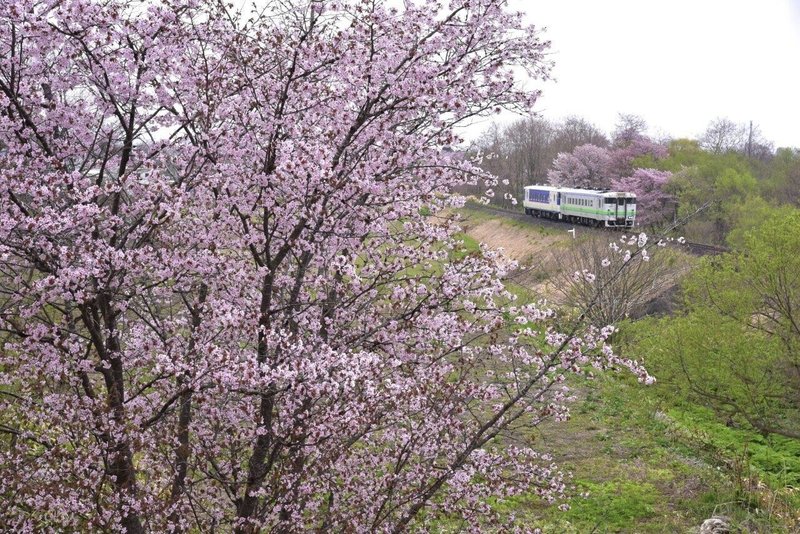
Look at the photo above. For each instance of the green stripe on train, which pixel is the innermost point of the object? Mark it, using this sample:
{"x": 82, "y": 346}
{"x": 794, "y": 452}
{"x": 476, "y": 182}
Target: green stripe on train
{"x": 587, "y": 210}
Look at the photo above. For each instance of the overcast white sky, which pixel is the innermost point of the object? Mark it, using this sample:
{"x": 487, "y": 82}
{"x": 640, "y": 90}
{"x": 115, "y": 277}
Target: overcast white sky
{"x": 677, "y": 63}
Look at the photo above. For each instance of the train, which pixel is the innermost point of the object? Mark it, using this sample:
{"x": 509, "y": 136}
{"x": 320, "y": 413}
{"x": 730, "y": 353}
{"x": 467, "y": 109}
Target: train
{"x": 591, "y": 207}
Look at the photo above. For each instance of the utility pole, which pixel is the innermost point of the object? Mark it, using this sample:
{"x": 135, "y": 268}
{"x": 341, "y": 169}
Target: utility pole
{"x": 750, "y": 141}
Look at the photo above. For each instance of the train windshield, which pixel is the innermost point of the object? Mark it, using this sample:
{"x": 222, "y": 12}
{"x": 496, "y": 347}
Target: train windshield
{"x": 619, "y": 201}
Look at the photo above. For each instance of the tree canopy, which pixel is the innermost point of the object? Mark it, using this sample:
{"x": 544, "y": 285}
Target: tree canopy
{"x": 736, "y": 348}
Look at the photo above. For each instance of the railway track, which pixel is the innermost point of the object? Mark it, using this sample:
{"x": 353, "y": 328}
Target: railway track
{"x": 698, "y": 249}
{"x": 704, "y": 249}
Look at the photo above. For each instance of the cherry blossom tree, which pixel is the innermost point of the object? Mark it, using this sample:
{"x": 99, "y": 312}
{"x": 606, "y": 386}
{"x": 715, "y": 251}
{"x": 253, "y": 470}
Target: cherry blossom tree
{"x": 641, "y": 150}
{"x": 629, "y": 128}
{"x": 654, "y": 203}
{"x": 220, "y": 307}
{"x": 593, "y": 167}
{"x": 584, "y": 167}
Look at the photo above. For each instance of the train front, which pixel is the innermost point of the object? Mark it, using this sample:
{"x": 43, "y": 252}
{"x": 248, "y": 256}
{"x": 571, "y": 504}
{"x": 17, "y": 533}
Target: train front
{"x": 620, "y": 209}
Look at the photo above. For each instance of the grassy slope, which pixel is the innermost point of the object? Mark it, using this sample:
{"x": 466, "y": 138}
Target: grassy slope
{"x": 649, "y": 466}
{"x": 637, "y": 476}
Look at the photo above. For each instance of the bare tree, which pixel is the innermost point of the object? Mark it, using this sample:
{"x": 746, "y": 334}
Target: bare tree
{"x": 575, "y": 131}
{"x": 723, "y": 135}
{"x": 529, "y": 144}
{"x": 590, "y": 271}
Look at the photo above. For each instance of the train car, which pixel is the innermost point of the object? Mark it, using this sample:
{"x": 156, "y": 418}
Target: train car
{"x": 592, "y": 207}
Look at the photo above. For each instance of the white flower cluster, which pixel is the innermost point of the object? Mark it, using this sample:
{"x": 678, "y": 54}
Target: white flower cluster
{"x": 577, "y": 276}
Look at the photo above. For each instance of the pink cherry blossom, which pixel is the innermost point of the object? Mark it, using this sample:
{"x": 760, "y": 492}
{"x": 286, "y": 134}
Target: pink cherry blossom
{"x": 222, "y": 306}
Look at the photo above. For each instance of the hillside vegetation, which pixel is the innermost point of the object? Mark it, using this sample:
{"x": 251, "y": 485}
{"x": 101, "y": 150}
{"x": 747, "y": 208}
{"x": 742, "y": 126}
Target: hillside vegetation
{"x": 659, "y": 458}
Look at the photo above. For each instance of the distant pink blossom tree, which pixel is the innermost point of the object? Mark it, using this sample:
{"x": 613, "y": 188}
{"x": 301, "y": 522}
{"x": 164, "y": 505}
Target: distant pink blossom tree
{"x": 220, "y": 305}
{"x": 622, "y": 158}
{"x": 593, "y": 167}
{"x": 653, "y": 203}
{"x": 585, "y": 167}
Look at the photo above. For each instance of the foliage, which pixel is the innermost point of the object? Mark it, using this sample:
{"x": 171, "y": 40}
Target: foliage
{"x": 781, "y": 182}
{"x": 775, "y": 459}
{"x": 749, "y": 216}
{"x": 646, "y": 470}
{"x": 613, "y": 506}
{"x": 722, "y": 182}
{"x": 736, "y": 349}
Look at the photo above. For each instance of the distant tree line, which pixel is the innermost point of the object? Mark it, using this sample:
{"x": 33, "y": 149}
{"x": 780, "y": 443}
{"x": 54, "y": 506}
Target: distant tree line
{"x": 731, "y": 167}
{"x": 522, "y": 153}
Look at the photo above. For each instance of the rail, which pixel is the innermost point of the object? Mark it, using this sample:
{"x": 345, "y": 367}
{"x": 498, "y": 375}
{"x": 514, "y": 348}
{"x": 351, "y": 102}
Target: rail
{"x": 698, "y": 249}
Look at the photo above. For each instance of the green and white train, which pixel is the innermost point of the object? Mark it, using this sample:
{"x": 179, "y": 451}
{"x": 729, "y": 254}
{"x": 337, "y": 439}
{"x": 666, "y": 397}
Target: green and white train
{"x": 591, "y": 207}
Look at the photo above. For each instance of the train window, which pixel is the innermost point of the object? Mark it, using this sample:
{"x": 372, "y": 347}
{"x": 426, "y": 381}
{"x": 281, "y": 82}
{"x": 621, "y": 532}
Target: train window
{"x": 611, "y": 201}
{"x": 538, "y": 196}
